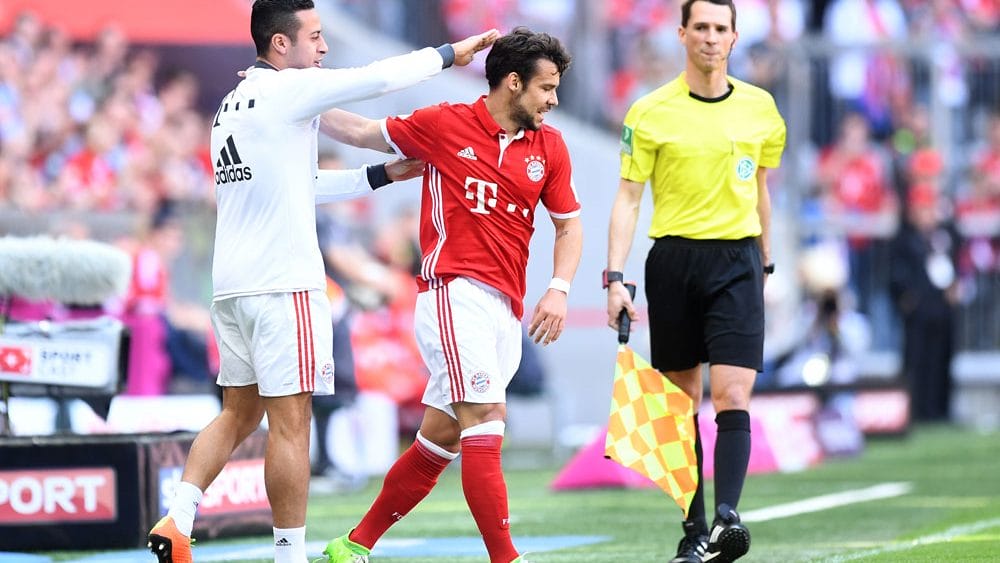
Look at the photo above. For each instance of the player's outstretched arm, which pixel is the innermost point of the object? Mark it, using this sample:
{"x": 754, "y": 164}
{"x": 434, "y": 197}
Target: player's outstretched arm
{"x": 466, "y": 49}
{"x": 549, "y": 317}
{"x": 340, "y": 185}
{"x": 353, "y": 129}
{"x": 313, "y": 91}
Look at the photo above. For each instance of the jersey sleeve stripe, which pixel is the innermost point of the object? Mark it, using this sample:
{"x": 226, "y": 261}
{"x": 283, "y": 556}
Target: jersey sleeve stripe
{"x": 437, "y": 217}
{"x": 569, "y": 215}
{"x": 388, "y": 138}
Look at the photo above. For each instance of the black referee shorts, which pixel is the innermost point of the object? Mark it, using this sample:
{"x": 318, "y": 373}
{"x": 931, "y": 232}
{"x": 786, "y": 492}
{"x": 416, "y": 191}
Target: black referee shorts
{"x": 706, "y": 303}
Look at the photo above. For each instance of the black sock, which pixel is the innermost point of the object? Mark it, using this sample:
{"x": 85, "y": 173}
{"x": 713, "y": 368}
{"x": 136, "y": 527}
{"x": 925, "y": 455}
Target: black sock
{"x": 695, "y": 522}
{"x": 732, "y": 455}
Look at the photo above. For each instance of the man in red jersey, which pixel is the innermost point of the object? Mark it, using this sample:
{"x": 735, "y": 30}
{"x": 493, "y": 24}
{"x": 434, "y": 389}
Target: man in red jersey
{"x": 489, "y": 163}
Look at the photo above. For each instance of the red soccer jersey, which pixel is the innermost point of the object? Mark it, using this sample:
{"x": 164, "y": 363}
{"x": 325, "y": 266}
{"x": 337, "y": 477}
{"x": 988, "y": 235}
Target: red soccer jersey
{"x": 481, "y": 187}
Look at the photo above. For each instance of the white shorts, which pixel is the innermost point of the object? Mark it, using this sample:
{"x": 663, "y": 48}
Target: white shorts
{"x": 282, "y": 342}
{"x": 470, "y": 341}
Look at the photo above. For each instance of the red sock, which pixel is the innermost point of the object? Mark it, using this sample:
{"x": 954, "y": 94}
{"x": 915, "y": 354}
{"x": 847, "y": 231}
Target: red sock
{"x": 486, "y": 492}
{"x": 408, "y": 481}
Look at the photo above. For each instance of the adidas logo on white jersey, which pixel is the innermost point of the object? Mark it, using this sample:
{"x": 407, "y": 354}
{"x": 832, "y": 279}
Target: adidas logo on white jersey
{"x": 468, "y": 153}
{"x": 229, "y": 167}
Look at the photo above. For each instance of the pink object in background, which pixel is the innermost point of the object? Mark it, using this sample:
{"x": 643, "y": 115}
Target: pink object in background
{"x": 589, "y": 469}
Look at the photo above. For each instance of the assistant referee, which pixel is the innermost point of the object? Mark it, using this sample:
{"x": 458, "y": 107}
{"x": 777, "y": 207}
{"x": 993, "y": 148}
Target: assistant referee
{"x": 704, "y": 142}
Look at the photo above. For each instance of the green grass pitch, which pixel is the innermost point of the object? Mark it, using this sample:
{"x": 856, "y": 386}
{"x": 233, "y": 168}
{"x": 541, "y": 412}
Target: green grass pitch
{"x": 952, "y": 512}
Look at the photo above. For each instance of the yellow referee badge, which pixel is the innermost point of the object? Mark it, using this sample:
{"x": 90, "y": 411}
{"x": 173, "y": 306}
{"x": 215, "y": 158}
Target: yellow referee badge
{"x": 627, "y": 139}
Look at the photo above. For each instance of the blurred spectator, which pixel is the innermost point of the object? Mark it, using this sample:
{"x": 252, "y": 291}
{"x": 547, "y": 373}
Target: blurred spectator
{"x": 912, "y": 133}
{"x": 986, "y": 162}
{"x": 978, "y": 220}
{"x": 984, "y": 15}
{"x": 396, "y": 243}
{"x": 89, "y": 177}
{"x": 145, "y": 311}
{"x": 767, "y": 28}
{"x": 654, "y": 57}
{"x": 923, "y": 284}
{"x": 170, "y": 339}
{"x": 926, "y": 167}
{"x": 862, "y": 78}
{"x": 25, "y": 38}
{"x": 643, "y": 50}
{"x": 834, "y": 335}
{"x": 853, "y": 175}
{"x": 853, "y": 172}
{"x": 942, "y": 24}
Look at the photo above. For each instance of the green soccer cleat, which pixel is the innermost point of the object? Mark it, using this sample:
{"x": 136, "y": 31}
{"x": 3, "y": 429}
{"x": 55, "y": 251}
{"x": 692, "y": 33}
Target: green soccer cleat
{"x": 343, "y": 550}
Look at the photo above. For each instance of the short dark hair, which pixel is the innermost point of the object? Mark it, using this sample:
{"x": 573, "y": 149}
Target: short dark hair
{"x": 686, "y": 10}
{"x": 270, "y": 17}
{"x": 519, "y": 51}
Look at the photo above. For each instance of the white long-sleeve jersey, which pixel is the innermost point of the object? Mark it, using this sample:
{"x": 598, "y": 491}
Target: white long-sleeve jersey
{"x": 264, "y": 145}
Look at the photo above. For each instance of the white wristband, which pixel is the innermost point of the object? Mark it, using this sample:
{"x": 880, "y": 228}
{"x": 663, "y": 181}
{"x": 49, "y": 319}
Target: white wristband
{"x": 559, "y": 284}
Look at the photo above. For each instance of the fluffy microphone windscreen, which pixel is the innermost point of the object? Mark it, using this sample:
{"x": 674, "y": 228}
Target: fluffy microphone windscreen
{"x": 79, "y": 272}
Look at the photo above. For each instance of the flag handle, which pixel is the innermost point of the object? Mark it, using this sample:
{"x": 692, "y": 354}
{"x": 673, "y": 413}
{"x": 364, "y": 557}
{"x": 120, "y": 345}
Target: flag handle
{"x": 624, "y": 321}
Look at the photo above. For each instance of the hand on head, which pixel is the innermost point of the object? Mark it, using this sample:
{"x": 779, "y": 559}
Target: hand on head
{"x": 466, "y": 49}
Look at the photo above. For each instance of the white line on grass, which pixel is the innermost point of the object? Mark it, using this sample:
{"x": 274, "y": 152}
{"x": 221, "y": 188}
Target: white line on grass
{"x": 823, "y": 502}
{"x": 945, "y": 536}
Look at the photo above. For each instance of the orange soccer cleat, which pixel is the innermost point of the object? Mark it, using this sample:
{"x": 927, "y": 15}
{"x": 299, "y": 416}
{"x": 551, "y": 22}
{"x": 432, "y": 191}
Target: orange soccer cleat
{"x": 168, "y": 544}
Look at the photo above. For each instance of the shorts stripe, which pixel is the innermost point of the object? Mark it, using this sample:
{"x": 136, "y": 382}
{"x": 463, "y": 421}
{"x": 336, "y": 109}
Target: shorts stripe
{"x": 438, "y": 294}
{"x": 449, "y": 346}
{"x": 298, "y": 338}
{"x": 307, "y": 351}
{"x": 310, "y": 346}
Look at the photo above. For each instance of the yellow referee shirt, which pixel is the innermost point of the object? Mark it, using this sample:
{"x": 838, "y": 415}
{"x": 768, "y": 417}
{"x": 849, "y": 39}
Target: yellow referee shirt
{"x": 701, "y": 157}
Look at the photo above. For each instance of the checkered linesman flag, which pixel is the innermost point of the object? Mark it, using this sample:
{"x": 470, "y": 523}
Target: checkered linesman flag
{"x": 651, "y": 426}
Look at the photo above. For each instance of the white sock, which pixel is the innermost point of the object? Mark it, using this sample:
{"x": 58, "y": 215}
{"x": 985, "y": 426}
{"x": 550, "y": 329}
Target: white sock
{"x": 289, "y": 545}
{"x": 184, "y": 505}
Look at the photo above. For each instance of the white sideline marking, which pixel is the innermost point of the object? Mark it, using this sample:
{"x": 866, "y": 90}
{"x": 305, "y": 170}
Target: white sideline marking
{"x": 823, "y": 502}
{"x": 945, "y": 536}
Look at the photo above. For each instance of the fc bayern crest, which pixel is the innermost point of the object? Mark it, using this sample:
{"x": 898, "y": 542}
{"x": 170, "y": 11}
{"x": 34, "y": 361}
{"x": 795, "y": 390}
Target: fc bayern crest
{"x": 327, "y": 373}
{"x": 480, "y": 382}
{"x": 536, "y": 168}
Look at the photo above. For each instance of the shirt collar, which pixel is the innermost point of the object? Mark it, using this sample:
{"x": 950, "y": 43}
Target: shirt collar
{"x": 721, "y": 98}
{"x": 490, "y": 124}
{"x": 263, "y": 64}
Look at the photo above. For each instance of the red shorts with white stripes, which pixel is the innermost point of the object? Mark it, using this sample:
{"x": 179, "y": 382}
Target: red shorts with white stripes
{"x": 470, "y": 340}
{"x": 282, "y": 342}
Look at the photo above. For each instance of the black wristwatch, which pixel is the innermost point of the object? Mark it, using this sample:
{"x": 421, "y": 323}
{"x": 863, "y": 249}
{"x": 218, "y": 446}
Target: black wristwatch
{"x": 611, "y": 277}
{"x": 769, "y": 269}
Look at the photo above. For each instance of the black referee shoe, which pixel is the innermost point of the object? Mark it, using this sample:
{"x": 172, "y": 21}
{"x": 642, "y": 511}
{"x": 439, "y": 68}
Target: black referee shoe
{"x": 692, "y": 546}
{"x": 729, "y": 540}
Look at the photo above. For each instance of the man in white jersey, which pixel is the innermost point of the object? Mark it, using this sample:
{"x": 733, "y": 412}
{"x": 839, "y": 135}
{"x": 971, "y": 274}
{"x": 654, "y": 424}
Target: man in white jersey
{"x": 270, "y": 313}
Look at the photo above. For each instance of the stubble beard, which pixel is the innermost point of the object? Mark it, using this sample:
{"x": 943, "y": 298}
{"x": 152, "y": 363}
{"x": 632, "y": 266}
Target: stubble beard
{"x": 522, "y": 117}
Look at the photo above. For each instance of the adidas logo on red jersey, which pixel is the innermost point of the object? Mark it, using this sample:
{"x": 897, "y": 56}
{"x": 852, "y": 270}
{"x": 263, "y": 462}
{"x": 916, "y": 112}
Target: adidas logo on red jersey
{"x": 468, "y": 153}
